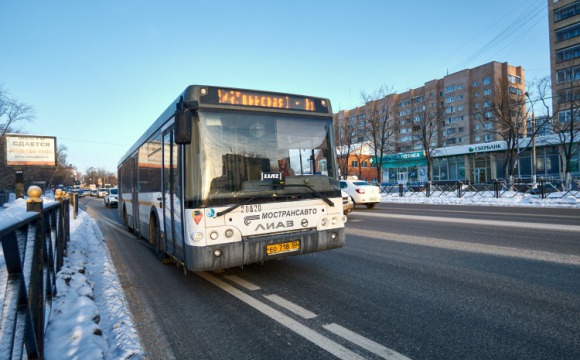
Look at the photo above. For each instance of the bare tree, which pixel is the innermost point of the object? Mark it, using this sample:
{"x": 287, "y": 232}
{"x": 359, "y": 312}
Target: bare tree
{"x": 425, "y": 128}
{"x": 344, "y": 140}
{"x": 100, "y": 176}
{"x": 13, "y": 112}
{"x": 503, "y": 113}
{"x": 378, "y": 112}
{"x": 566, "y": 121}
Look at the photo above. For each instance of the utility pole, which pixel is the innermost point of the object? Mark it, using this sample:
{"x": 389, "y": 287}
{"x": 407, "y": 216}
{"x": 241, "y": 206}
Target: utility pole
{"x": 533, "y": 150}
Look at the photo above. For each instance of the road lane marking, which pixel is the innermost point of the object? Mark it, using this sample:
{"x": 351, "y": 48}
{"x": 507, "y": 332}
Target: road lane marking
{"x": 243, "y": 283}
{"x": 296, "y": 309}
{"x": 325, "y": 343}
{"x": 470, "y": 247}
{"x": 365, "y": 343}
{"x": 513, "y": 224}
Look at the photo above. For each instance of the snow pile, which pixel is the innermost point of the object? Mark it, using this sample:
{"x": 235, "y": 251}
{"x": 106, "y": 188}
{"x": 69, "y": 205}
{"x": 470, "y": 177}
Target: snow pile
{"x": 90, "y": 319}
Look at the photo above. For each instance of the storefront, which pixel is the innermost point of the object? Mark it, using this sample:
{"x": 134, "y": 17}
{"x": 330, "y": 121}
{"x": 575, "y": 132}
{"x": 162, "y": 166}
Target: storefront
{"x": 478, "y": 163}
{"x": 404, "y": 168}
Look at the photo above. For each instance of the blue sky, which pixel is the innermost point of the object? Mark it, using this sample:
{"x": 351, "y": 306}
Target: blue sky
{"x": 97, "y": 73}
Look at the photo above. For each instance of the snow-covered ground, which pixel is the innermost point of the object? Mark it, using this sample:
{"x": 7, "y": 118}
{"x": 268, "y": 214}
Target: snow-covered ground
{"x": 90, "y": 319}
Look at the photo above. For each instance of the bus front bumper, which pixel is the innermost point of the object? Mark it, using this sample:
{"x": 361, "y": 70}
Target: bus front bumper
{"x": 254, "y": 250}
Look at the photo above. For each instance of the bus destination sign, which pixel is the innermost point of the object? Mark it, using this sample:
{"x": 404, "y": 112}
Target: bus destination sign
{"x": 257, "y": 99}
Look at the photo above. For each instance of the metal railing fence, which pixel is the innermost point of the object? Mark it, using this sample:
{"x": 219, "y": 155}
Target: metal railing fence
{"x": 34, "y": 246}
{"x": 543, "y": 189}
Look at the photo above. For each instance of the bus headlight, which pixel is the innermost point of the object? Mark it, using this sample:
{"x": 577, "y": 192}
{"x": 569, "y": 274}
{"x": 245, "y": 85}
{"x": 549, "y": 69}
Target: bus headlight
{"x": 334, "y": 221}
{"x": 213, "y": 235}
{"x": 229, "y": 233}
{"x": 217, "y": 253}
{"x": 197, "y": 236}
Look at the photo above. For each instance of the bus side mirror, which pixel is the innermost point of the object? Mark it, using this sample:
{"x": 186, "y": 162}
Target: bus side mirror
{"x": 183, "y": 124}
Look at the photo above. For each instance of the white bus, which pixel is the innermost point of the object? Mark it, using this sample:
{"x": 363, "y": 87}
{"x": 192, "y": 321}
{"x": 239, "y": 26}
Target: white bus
{"x": 227, "y": 177}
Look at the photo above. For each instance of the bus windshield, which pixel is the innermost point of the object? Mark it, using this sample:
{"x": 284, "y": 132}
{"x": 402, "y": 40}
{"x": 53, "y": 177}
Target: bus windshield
{"x": 259, "y": 157}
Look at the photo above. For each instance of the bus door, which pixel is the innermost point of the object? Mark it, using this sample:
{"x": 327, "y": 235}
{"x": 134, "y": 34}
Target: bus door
{"x": 135, "y": 194}
{"x": 172, "y": 196}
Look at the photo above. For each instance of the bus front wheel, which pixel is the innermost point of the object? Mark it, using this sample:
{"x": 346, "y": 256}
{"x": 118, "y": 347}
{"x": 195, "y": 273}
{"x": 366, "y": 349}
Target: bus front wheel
{"x": 155, "y": 238}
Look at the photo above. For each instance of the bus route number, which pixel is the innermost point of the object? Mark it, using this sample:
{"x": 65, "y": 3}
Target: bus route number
{"x": 251, "y": 208}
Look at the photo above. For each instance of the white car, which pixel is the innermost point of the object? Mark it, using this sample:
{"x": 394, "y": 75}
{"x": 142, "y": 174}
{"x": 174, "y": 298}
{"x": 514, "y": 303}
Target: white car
{"x": 361, "y": 192}
{"x": 347, "y": 203}
{"x": 102, "y": 192}
{"x": 112, "y": 197}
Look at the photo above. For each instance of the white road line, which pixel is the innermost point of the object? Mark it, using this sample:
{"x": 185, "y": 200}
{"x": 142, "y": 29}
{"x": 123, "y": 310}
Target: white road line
{"x": 365, "y": 343}
{"x": 243, "y": 283}
{"x": 514, "y": 224}
{"x": 296, "y": 309}
{"x": 469, "y": 247}
{"x": 325, "y": 343}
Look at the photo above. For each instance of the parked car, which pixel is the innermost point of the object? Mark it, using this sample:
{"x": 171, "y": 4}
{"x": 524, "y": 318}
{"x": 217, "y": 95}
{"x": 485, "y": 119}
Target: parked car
{"x": 94, "y": 192}
{"x": 361, "y": 192}
{"x": 102, "y": 192}
{"x": 112, "y": 198}
{"x": 347, "y": 203}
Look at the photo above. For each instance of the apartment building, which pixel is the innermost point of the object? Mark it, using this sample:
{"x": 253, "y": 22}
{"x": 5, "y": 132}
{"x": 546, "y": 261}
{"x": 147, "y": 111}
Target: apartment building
{"x": 564, "y": 25}
{"x": 458, "y": 109}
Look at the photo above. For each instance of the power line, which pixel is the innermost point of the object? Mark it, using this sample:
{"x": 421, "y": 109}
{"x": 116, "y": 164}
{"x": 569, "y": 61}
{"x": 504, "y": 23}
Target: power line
{"x": 529, "y": 17}
{"x": 93, "y": 142}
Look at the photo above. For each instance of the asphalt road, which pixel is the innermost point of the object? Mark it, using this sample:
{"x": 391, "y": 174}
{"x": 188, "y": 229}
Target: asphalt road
{"x": 414, "y": 281}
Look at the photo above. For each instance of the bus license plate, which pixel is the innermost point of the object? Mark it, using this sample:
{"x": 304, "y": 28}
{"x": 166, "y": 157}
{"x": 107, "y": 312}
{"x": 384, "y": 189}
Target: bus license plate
{"x": 283, "y": 247}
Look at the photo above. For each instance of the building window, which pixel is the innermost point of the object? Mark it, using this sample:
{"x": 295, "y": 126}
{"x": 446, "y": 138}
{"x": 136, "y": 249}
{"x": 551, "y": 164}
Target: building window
{"x": 354, "y": 164}
{"x": 364, "y": 164}
{"x": 567, "y": 75}
{"x": 568, "y": 53}
{"x": 450, "y": 99}
{"x": 475, "y": 84}
{"x": 461, "y": 129}
{"x": 450, "y": 88}
{"x": 488, "y": 138}
{"x": 514, "y": 90}
{"x": 568, "y": 32}
{"x": 567, "y": 11}
{"x": 486, "y": 92}
{"x": 487, "y": 81}
{"x": 514, "y": 79}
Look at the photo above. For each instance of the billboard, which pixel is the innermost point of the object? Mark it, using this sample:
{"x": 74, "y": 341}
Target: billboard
{"x": 30, "y": 150}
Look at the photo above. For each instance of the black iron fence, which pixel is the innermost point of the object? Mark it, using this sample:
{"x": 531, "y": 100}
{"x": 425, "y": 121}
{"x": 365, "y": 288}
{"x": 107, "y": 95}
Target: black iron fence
{"x": 542, "y": 189}
{"x": 34, "y": 245}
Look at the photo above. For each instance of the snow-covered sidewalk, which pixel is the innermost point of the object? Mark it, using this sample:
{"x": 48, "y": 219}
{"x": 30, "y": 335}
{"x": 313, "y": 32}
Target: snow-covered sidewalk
{"x": 89, "y": 319}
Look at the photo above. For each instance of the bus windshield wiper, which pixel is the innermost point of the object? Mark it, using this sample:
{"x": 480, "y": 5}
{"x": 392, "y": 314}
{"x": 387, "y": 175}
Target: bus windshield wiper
{"x": 316, "y": 193}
